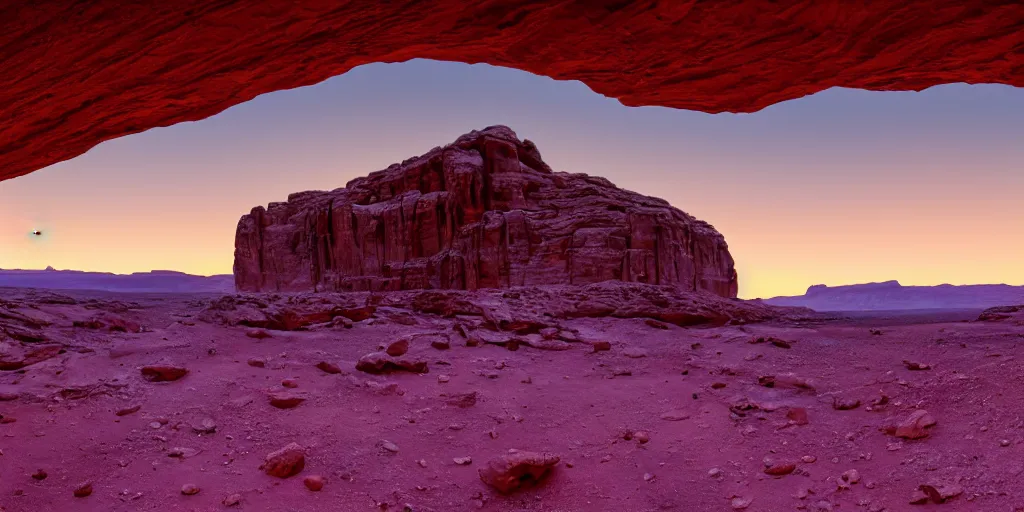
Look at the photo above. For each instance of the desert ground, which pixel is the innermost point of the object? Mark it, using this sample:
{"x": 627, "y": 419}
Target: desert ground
{"x": 762, "y": 412}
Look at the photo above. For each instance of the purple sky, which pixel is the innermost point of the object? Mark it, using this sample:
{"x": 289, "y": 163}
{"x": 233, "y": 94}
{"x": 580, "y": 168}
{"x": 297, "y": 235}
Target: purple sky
{"x": 841, "y": 187}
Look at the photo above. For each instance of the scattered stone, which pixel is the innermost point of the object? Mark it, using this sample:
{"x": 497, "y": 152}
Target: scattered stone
{"x": 205, "y": 426}
{"x": 808, "y": 459}
{"x": 389, "y": 446}
{"x": 714, "y": 473}
{"x": 845, "y": 404}
{"x": 398, "y": 348}
{"x": 257, "y": 363}
{"x": 851, "y": 476}
{"x": 313, "y": 482}
{"x": 286, "y": 462}
{"x": 634, "y": 352}
{"x": 163, "y": 373}
{"x": 779, "y": 469}
{"x": 330, "y": 368}
{"x": 290, "y": 383}
{"x": 875, "y": 332}
{"x": 285, "y": 400}
{"x": 463, "y": 461}
{"x": 189, "y": 489}
{"x": 601, "y": 346}
{"x": 39, "y": 475}
{"x": 915, "y": 366}
{"x": 656, "y": 324}
{"x": 511, "y": 472}
{"x": 797, "y": 416}
{"x": 463, "y": 400}
{"x": 258, "y": 334}
{"x": 739, "y": 503}
{"x": 914, "y": 426}
{"x": 84, "y": 489}
{"x": 232, "y": 500}
{"x": 380, "y": 362}
{"x": 648, "y": 477}
{"x": 642, "y": 436}
{"x": 1004, "y": 443}
{"x": 718, "y": 385}
{"x": 130, "y": 410}
{"x": 441, "y": 344}
{"x": 443, "y": 379}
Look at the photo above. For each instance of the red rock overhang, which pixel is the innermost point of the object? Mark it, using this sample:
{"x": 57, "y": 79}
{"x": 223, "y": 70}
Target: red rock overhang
{"x": 76, "y": 73}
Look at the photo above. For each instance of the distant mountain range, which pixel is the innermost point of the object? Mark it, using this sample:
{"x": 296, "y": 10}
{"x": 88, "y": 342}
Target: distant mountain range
{"x": 891, "y": 295}
{"x": 155, "y": 281}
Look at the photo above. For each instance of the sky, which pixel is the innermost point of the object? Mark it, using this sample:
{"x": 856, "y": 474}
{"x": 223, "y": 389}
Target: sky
{"x": 841, "y": 187}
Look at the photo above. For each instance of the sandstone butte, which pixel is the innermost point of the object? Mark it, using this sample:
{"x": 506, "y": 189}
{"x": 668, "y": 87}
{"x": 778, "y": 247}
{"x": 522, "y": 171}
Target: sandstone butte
{"x": 482, "y": 212}
{"x": 74, "y": 74}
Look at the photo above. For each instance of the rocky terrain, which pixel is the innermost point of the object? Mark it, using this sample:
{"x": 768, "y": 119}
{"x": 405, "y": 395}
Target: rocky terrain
{"x": 610, "y": 396}
{"x": 891, "y": 295}
{"x": 482, "y": 212}
{"x": 156, "y": 281}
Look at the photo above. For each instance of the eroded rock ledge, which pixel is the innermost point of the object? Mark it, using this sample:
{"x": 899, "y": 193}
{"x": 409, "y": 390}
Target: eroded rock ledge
{"x": 482, "y": 212}
{"x": 73, "y": 74}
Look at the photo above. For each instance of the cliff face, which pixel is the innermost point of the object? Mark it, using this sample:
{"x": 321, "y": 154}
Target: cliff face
{"x": 74, "y": 74}
{"x": 483, "y": 212}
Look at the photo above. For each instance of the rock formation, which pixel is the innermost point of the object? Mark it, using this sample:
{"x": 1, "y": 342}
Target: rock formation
{"x": 483, "y": 212}
{"x": 73, "y": 74}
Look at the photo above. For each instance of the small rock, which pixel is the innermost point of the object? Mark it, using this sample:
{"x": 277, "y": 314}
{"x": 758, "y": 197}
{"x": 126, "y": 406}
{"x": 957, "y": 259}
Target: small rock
{"x": 257, "y": 363}
{"x": 39, "y": 475}
{"x": 330, "y": 368}
{"x": 510, "y": 472}
{"x": 286, "y": 462}
{"x": 845, "y": 404}
{"x": 285, "y": 400}
{"x": 797, "y": 416}
{"x": 634, "y": 352}
{"x": 313, "y": 482}
{"x": 443, "y": 378}
{"x": 422, "y": 463}
{"x": 779, "y": 469}
{"x": 714, "y": 473}
{"x": 915, "y": 366}
{"x": 808, "y": 459}
{"x": 163, "y": 373}
{"x": 463, "y": 461}
{"x": 601, "y": 346}
{"x": 290, "y": 383}
{"x": 205, "y": 426}
{"x": 463, "y": 400}
{"x": 441, "y": 344}
{"x": 851, "y": 476}
{"x": 656, "y": 324}
{"x": 189, "y": 489}
{"x": 258, "y": 334}
{"x": 1004, "y": 443}
{"x": 914, "y": 426}
{"x": 648, "y": 477}
{"x": 389, "y": 446}
{"x": 642, "y": 436}
{"x": 739, "y": 503}
{"x": 232, "y": 500}
{"x": 130, "y": 410}
{"x": 398, "y": 348}
{"x": 718, "y": 385}
{"x": 84, "y": 489}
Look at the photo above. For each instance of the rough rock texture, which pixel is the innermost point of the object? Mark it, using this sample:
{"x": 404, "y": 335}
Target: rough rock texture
{"x": 483, "y": 212}
{"x": 73, "y": 74}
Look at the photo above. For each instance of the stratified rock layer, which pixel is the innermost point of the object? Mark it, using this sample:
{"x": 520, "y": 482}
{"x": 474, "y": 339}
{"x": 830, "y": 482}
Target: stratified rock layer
{"x": 483, "y": 212}
{"x": 74, "y": 74}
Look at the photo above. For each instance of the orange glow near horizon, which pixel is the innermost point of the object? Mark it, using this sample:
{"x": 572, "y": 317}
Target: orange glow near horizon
{"x": 825, "y": 189}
